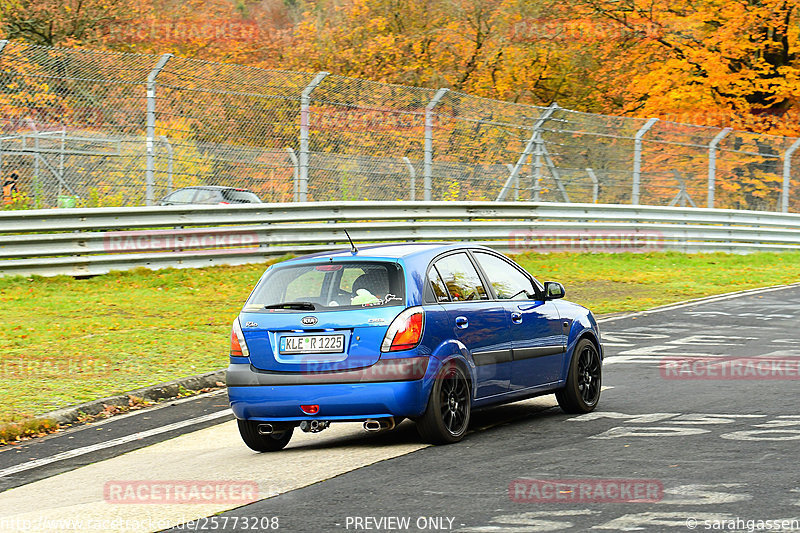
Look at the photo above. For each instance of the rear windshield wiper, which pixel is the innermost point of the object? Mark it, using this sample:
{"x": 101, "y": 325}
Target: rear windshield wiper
{"x": 301, "y": 306}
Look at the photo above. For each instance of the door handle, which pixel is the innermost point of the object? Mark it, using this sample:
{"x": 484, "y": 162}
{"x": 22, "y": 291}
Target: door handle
{"x": 462, "y": 322}
{"x": 516, "y": 318}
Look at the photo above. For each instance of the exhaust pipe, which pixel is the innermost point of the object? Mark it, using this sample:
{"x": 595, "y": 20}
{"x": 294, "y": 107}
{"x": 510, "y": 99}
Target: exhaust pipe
{"x": 265, "y": 429}
{"x": 372, "y": 425}
{"x": 314, "y": 426}
{"x": 379, "y": 424}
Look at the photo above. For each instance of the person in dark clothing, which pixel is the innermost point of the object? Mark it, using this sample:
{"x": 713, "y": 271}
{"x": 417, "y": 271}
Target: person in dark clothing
{"x": 10, "y": 188}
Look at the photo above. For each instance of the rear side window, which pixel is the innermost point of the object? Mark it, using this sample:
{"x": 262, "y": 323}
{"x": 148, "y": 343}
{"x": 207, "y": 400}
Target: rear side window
{"x": 240, "y": 197}
{"x": 205, "y": 196}
{"x": 437, "y": 287}
{"x": 184, "y": 196}
{"x": 331, "y": 285}
{"x": 461, "y": 278}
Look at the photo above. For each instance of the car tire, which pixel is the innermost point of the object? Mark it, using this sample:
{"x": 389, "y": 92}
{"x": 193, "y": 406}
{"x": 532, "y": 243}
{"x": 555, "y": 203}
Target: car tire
{"x": 582, "y": 391}
{"x": 248, "y": 429}
{"x": 447, "y": 416}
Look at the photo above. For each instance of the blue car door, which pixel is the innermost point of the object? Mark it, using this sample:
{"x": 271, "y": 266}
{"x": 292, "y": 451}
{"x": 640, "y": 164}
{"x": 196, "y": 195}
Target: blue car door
{"x": 480, "y": 324}
{"x": 537, "y": 332}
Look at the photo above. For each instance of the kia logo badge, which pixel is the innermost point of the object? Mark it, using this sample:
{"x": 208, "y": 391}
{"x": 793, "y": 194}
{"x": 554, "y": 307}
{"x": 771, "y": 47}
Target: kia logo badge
{"x": 309, "y": 320}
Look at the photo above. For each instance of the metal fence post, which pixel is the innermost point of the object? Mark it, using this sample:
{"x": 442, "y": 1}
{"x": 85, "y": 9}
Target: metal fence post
{"x": 510, "y": 168}
{"x": 37, "y": 187}
{"x": 637, "y": 159}
{"x": 712, "y": 164}
{"x": 595, "y": 184}
{"x": 537, "y": 172}
{"x": 3, "y": 44}
{"x": 151, "y": 127}
{"x": 61, "y": 159}
{"x": 555, "y": 174}
{"x": 428, "y": 162}
{"x": 170, "y": 157}
{"x": 535, "y": 140}
{"x": 305, "y": 104}
{"x": 787, "y": 174}
{"x": 295, "y": 173}
{"x": 412, "y": 174}
{"x": 539, "y": 154}
{"x": 683, "y": 195}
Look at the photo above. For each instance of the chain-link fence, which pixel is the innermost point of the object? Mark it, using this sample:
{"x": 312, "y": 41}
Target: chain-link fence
{"x": 82, "y": 127}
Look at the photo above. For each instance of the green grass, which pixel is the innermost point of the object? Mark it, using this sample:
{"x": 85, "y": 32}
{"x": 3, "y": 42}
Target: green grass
{"x": 65, "y": 341}
{"x": 611, "y": 283}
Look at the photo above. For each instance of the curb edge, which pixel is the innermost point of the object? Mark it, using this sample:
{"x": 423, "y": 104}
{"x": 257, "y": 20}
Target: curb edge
{"x": 159, "y": 391}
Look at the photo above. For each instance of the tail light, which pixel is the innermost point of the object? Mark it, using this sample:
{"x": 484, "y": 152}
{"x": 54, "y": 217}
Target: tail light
{"x": 405, "y": 331}
{"x": 310, "y": 409}
{"x": 238, "y": 344}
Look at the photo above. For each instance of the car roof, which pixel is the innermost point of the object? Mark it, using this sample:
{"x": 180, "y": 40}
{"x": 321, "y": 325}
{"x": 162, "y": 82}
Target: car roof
{"x": 216, "y": 187}
{"x": 418, "y": 250}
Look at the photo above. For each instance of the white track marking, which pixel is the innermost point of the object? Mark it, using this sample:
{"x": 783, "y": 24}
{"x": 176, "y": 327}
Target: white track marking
{"x": 699, "y": 301}
{"x": 76, "y": 499}
{"x": 111, "y": 443}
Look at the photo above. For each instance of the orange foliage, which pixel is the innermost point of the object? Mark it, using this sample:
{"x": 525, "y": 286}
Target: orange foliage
{"x": 713, "y": 62}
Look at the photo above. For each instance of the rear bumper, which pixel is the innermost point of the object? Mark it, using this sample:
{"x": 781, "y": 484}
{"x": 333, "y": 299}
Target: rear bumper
{"x": 273, "y": 397}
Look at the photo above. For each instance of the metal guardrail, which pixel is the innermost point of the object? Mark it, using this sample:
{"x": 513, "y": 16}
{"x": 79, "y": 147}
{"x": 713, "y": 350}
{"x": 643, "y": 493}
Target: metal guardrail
{"x": 81, "y": 242}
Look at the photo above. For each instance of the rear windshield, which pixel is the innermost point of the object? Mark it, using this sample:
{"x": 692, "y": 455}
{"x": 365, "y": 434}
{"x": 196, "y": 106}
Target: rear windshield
{"x": 330, "y": 286}
{"x": 240, "y": 197}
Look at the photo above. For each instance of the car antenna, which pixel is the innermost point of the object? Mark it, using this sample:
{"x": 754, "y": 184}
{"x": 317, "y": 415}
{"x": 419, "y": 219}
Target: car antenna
{"x": 353, "y": 249}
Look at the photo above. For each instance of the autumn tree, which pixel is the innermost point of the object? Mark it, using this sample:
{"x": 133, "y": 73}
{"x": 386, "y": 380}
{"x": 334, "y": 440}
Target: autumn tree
{"x": 59, "y": 22}
{"x": 490, "y": 48}
{"x": 716, "y": 62}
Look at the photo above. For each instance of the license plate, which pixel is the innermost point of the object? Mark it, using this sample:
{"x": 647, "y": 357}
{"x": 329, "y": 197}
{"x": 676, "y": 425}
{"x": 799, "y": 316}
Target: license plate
{"x": 312, "y": 344}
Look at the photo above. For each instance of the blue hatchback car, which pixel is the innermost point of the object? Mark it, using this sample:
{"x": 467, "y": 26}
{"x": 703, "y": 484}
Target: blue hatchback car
{"x": 422, "y": 331}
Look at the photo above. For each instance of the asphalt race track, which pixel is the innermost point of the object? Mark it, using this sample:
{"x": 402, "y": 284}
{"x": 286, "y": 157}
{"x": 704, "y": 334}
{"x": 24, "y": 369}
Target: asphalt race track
{"x": 698, "y": 428}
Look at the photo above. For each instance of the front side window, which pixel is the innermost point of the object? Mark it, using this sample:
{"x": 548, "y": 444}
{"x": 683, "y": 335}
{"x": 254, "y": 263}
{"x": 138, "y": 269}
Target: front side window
{"x": 329, "y": 285}
{"x": 506, "y": 280}
{"x": 460, "y": 277}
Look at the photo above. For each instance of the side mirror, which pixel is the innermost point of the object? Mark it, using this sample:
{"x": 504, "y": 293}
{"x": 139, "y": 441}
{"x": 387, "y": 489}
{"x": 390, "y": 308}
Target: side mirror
{"x": 553, "y": 290}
